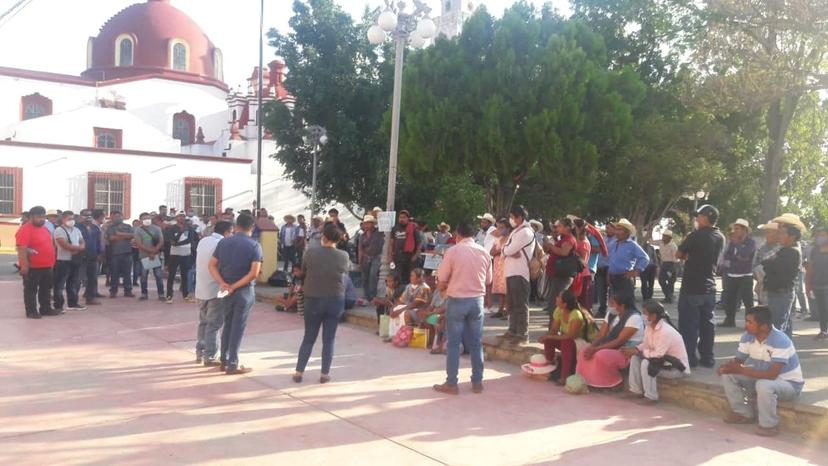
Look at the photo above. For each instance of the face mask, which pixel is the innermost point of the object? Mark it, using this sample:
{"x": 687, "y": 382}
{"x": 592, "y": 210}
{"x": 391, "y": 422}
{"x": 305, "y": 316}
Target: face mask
{"x": 146, "y": 222}
{"x": 613, "y": 311}
{"x": 70, "y": 223}
{"x": 821, "y": 241}
{"x": 695, "y": 224}
{"x": 513, "y": 223}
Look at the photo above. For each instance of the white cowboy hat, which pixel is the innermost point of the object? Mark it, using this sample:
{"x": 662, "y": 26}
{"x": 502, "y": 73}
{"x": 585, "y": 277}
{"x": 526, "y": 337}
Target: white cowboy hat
{"x": 444, "y": 224}
{"x": 667, "y": 233}
{"x": 536, "y": 223}
{"x": 488, "y": 217}
{"x": 769, "y": 226}
{"x": 369, "y": 218}
{"x": 538, "y": 365}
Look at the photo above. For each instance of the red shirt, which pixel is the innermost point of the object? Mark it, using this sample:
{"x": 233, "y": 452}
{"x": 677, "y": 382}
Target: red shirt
{"x": 39, "y": 242}
{"x": 550, "y": 262}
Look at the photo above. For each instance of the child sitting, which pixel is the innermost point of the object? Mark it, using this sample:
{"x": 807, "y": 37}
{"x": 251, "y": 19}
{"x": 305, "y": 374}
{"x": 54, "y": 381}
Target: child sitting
{"x": 293, "y": 301}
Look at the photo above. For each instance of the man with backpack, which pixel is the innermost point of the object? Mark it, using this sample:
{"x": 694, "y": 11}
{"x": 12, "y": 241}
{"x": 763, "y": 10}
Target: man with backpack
{"x": 518, "y": 250}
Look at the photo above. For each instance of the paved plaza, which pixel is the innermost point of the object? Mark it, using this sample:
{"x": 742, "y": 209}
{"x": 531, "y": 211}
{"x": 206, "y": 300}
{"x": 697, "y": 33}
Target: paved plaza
{"x": 117, "y": 385}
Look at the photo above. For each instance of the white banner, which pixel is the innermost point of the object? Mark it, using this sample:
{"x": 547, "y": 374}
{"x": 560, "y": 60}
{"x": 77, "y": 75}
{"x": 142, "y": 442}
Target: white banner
{"x": 386, "y": 221}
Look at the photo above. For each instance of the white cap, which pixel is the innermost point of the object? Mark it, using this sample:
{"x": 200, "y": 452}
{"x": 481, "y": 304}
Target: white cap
{"x": 741, "y": 222}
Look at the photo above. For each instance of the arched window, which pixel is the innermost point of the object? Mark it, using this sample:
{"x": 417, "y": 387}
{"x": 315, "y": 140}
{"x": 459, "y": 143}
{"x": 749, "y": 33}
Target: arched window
{"x": 124, "y": 50}
{"x": 183, "y": 128}
{"x": 179, "y": 55}
{"x": 218, "y": 64}
{"x": 34, "y": 106}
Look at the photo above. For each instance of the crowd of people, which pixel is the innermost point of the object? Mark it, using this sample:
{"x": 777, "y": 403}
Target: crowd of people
{"x": 584, "y": 276}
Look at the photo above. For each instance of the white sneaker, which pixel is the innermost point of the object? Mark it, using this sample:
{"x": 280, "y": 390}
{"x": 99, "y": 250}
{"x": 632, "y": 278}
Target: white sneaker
{"x": 76, "y": 308}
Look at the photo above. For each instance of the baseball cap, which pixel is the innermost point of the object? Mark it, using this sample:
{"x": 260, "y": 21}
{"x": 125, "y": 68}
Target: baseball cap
{"x": 708, "y": 211}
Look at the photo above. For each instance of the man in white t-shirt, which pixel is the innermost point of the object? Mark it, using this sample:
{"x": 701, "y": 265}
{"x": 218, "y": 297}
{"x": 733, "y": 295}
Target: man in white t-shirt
{"x": 518, "y": 251}
{"x": 70, "y": 252}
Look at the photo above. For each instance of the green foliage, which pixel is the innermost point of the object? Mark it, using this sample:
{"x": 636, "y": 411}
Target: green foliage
{"x": 341, "y": 83}
{"x": 526, "y": 94}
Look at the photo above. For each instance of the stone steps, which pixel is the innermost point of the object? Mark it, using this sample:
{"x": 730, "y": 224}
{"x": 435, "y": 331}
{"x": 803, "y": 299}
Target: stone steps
{"x": 804, "y": 419}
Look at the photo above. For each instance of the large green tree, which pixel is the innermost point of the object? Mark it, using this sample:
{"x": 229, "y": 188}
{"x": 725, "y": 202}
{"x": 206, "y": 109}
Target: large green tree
{"x": 342, "y": 83}
{"x": 764, "y": 55}
{"x": 528, "y": 93}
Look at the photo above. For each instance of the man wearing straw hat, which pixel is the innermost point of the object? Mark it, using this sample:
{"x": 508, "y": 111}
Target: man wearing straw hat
{"x": 667, "y": 250}
{"x": 738, "y": 279}
{"x": 697, "y": 297}
{"x": 626, "y": 259}
{"x": 766, "y": 250}
{"x": 369, "y": 255}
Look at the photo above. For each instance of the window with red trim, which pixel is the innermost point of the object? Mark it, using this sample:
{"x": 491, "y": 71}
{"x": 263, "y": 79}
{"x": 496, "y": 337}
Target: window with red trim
{"x": 11, "y": 190}
{"x": 202, "y": 195}
{"x": 110, "y": 192}
{"x": 34, "y": 106}
{"x": 184, "y": 128}
{"x": 108, "y": 138}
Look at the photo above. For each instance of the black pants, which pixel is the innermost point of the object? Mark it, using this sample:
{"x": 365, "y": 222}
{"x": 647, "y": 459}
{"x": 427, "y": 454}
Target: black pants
{"x": 601, "y": 290}
{"x": 621, "y": 284}
{"x": 403, "y": 266}
{"x": 184, "y": 263}
{"x": 289, "y": 257}
{"x": 37, "y": 288}
{"x": 667, "y": 280}
{"x": 648, "y": 277}
{"x": 737, "y": 290}
{"x": 66, "y": 278}
{"x": 90, "y": 269}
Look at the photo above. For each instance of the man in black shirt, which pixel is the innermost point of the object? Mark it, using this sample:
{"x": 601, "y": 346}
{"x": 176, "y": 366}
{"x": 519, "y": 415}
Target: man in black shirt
{"x": 781, "y": 272}
{"x": 333, "y": 214}
{"x": 405, "y": 246}
{"x": 697, "y": 298}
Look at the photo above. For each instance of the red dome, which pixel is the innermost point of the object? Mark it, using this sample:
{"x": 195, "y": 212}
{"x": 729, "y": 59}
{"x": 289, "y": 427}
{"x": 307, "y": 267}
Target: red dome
{"x": 154, "y": 28}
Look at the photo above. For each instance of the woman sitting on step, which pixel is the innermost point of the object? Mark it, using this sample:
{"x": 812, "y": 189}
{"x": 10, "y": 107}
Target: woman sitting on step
{"x": 601, "y": 362}
{"x": 567, "y": 323}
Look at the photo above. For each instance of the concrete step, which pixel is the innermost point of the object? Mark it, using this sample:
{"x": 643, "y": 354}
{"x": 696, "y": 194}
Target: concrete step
{"x": 804, "y": 419}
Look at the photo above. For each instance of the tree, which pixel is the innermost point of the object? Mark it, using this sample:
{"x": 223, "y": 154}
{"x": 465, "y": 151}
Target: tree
{"x": 341, "y": 83}
{"x": 764, "y": 55}
{"x": 527, "y": 93}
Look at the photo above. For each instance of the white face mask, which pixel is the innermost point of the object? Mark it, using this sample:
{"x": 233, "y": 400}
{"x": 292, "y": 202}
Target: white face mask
{"x": 695, "y": 224}
{"x": 146, "y": 222}
{"x": 70, "y": 223}
{"x": 613, "y": 311}
{"x": 513, "y": 223}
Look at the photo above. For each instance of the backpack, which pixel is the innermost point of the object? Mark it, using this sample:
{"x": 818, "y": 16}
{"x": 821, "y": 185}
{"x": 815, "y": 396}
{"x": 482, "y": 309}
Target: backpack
{"x": 279, "y": 279}
{"x": 589, "y": 329}
{"x": 536, "y": 262}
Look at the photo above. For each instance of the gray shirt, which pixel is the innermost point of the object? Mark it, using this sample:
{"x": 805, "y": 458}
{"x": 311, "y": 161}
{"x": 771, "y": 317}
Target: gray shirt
{"x": 73, "y": 237}
{"x": 149, "y": 237}
{"x": 122, "y": 246}
{"x": 323, "y": 268}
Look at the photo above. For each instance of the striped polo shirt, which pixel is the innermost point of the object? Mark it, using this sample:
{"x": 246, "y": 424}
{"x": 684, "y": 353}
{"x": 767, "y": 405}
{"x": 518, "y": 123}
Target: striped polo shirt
{"x": 777, "y": 348}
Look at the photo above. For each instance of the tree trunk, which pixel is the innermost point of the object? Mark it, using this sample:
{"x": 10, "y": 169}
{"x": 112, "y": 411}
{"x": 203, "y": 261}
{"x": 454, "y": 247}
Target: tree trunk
{"x": 778, "y": 120}
{"x": 502, "y": 196}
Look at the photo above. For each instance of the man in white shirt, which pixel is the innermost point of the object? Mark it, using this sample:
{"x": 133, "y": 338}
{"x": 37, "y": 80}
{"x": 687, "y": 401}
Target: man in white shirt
{"x": 518, "y": 251}
{"x": 667, "y": 272}
{"x": 485, "y": 237}
{"x": 210, "y": 316}
{"x": 288, "y": 237}
{"x": 70, "y": 250}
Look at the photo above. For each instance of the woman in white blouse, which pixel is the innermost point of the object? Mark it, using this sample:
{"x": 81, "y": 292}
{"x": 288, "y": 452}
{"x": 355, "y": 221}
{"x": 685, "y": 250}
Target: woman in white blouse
{"x": 661, "y": 354}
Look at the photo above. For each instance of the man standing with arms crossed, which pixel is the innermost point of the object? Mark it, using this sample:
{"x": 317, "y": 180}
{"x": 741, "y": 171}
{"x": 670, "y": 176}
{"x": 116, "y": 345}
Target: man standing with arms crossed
{"x": 697, "y": 297}
{"x": 235, "y": 264}
{"x": 464, "y": 273}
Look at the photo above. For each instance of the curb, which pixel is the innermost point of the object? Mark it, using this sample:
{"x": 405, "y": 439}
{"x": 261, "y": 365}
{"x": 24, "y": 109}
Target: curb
{"x": 803, "y": 419}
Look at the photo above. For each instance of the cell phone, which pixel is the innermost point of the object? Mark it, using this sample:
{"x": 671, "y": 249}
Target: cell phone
{"x": 222, "y": 294}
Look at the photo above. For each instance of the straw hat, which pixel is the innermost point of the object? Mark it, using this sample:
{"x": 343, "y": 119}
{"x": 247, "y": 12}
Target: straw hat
{"x": 667, "y": 233}
{"x": 769, "y": 226}
{"x": 536, "y": 224}
{"x": 741, "y": 222}
{"x": 537, "y": 365}
{"x": 51, "y": 212}
{"x": 444, "y": 224}
{"x": 791, "y": 219}
{"x": 625, "y": 224}
{"x": 376, "y": 209}
{"x": 488, "y": 217}
{"x": 369, "y": 218}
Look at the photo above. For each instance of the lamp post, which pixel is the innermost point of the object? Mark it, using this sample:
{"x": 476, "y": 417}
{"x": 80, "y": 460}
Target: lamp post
{"x": 259, "y": 112}
{"x": 405, "y": 28}
{"x": 317, "y": 136}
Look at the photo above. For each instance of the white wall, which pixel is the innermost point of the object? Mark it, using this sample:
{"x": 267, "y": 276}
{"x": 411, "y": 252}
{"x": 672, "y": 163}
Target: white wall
{"x": 57, "y": 178}
{"x": 64, "y": 97}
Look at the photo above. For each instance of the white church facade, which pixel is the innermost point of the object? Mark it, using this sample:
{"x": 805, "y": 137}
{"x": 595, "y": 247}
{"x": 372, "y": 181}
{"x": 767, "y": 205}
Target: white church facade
{"x": 149, "y": 122}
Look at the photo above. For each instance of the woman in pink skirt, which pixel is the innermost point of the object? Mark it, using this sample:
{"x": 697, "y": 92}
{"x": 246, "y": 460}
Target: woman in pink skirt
{"x": 601, "y": 362}
{"x": 499, "y": 271}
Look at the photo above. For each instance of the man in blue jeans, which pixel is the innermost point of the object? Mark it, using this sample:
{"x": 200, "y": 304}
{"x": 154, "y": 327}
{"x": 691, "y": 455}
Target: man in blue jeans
{"x": 697, "y": 298}
{"x": 465, "y": 272}
{"x": 119, "y": 237}
{"x": 235, "y": 264}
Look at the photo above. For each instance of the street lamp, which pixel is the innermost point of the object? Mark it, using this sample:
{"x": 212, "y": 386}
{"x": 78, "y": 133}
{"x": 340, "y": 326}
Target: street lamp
{"x": 405, "y": 28}
{"x": 317, "y": 136}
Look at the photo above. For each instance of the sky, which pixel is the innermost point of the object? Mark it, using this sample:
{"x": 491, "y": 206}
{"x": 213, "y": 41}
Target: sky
{"x": 51, "y": 35}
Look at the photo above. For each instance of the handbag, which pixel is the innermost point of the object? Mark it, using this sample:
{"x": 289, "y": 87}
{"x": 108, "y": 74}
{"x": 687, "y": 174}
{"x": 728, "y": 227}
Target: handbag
{"x": 384, "y": 322}
{"x": 419, "y": 338}
{"x": 569, "y": 266}
{"x": 403, "y": 336}
{"x": 78, "y": 257}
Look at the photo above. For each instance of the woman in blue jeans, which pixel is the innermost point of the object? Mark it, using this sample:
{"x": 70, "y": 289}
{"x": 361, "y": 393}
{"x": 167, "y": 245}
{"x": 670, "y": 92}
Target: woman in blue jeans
{"x": 324, "y": 288}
